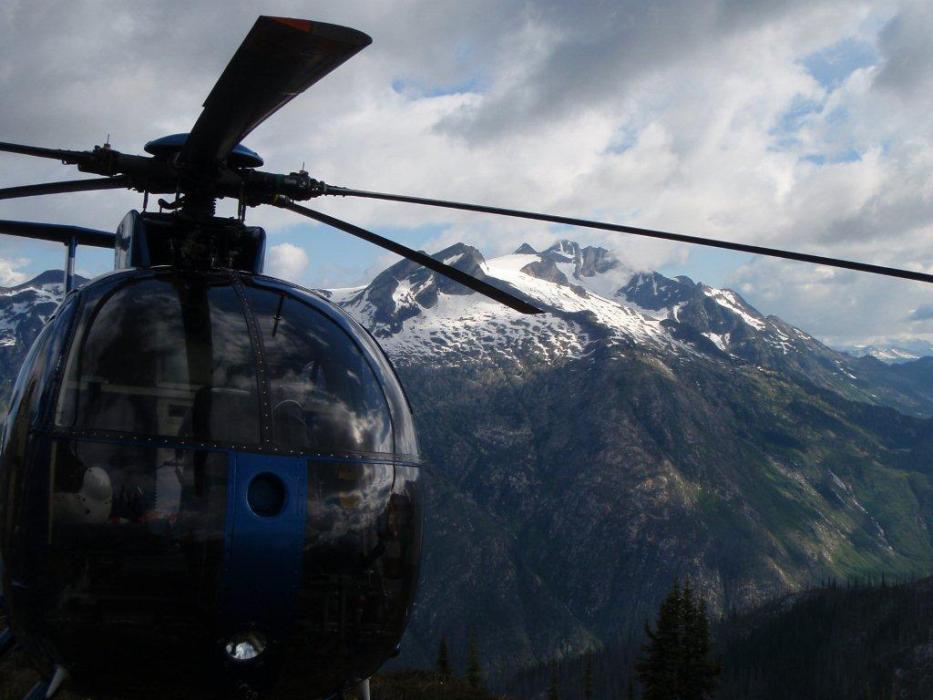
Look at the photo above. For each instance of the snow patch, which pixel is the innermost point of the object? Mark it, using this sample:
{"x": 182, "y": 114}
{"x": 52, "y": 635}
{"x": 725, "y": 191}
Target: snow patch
{"x": 728, "y": 300}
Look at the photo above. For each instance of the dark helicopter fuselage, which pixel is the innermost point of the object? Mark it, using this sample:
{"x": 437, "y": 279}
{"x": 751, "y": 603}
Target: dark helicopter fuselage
{"x": 209, "y": 475}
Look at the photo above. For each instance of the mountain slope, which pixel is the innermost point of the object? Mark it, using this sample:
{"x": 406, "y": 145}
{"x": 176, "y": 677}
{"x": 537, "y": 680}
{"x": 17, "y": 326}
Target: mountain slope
{"x": 651, "y": 429}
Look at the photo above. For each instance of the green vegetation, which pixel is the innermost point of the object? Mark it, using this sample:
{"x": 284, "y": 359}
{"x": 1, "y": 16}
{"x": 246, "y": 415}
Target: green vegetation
{"x": 840, "y": 642}
{"x": 676, "y": 663}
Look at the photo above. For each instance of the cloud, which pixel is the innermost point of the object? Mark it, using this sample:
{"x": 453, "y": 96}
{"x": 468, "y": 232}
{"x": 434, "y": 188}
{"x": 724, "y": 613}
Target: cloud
{"x": 286, "y": 261}
{"x": 10, "y": 275}
{"x": 704, "y": 117}
{"x": 908, "y": 53}
{"x": 922, "y": 313}
{"x": 835, "y": 305}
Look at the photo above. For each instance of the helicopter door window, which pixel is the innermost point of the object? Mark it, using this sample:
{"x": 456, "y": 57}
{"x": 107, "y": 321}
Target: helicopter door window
{"x": 167, "y": 356}
{"x": 324, "y": 395}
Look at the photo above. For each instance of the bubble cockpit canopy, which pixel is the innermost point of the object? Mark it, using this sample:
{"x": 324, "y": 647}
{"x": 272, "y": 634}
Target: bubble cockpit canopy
{"x": 230, "y": 360}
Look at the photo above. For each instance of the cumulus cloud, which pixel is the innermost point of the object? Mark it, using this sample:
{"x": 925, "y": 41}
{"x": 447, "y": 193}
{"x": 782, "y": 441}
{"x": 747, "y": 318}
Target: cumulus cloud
{"x": 286, "y": 261}
{"x": 10, "y": 274}
{"x": 843, "y": 305}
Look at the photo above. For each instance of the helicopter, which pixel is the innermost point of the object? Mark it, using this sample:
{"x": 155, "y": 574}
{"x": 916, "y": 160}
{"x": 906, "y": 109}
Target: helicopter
{"x": 204, "y": 468}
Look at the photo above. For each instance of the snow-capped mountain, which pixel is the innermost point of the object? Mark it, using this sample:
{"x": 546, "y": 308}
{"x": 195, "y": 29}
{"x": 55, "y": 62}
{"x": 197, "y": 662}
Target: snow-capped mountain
{"x": 415, "y": 312}
{"x": 589, "y": 296}
{"x": 892, "y": 353}
{"x": 23, "y": 311}
{"x": 27, "y": 305}
{"x": 592, "y": 301}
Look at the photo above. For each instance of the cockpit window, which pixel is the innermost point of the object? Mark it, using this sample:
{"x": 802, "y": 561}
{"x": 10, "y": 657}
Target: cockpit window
{"x": 163, "y": 356}
{"x": 324, "y": 395}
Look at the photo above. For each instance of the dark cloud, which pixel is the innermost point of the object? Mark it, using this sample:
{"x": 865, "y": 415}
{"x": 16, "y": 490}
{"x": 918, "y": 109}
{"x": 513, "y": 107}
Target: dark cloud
{"x": 884, "y": 217}
{"x": 922, "y": 313}
{"x": 592, "y": 52}
{"x": 907, "y": 50}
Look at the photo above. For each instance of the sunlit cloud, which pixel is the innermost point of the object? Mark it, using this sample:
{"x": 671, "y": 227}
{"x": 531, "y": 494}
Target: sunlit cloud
{"x": 10, "y": 271}
{"x": 286, "y": 261}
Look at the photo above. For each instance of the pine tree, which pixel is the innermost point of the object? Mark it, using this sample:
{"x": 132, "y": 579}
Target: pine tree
{"x": 553, "y": 690}
{"x": 588, "y": 677}
{"x": 699, "y": 673}
{"x": 630, "y": 693}
{"x": 676, "y": 663}
{"x": 657, "y": 670}
{"x": 474, "y": 672}
{"x": 443, "y": 658}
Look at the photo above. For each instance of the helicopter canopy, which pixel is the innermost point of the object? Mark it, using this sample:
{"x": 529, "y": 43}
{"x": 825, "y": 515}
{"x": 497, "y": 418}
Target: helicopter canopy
{"x": 221, "y": 358}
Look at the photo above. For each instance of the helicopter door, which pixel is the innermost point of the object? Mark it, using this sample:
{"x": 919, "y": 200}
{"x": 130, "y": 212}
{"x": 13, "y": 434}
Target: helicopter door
{"x": 266, "y": 512}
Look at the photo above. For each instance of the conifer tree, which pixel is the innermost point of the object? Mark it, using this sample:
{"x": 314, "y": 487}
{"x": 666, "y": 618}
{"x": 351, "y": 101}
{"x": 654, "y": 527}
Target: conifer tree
{"x": 657, "y": 670}
{"x": 474, "y": 672}
{"x": 588, "y": 677}
{"x": 443, "y": 658}
{"x": 676, "y": 663}
{"x": 553, "y": 690}
{"x": 699, "y": 674}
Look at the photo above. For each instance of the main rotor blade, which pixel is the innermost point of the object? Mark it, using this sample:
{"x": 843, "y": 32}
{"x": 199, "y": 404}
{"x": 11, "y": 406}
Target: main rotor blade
{"x": 278, "y": 59}
{"x": 681, "y": 238}
{"x": 477, "y": 285}
{"x": 59, "y": 233}
{"x": 101, "y": 183}
{"x": 54, "y": 153}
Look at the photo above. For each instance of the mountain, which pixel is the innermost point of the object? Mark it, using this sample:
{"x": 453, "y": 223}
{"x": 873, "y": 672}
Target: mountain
{"x": 23, "y": 310}
{"x": 643, "y": 428}
{"x": 891, "y": 353}
{"x": 593, "y": 300}
{"x": 724, "y": 318}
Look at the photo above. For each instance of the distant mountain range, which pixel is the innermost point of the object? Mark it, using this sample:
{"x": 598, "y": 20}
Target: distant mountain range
{"x": 644, "y": 428}
{"x": 905, "y": 351}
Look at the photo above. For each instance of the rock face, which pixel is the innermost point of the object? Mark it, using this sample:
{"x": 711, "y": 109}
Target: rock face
{"x": 643, "y": 428}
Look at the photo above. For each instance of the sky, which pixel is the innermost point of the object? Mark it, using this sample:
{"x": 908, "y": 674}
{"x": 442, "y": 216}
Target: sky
{"x": 799, "y": 125}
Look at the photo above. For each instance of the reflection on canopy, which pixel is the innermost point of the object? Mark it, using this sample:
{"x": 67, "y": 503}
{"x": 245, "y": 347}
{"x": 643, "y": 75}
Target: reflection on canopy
{"x": 199, "y": 356}
{"x": 167, "y": 356}
{"x": 323, "y": 392}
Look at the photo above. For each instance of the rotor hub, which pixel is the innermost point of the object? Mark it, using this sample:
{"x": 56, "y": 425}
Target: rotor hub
{"x": 168, "y": 147}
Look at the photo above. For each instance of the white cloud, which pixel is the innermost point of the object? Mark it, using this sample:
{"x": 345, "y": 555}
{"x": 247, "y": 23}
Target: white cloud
{"x": 837, "y": 305}
{"x": 10, "y": 275}
{"x": 286, "y": 261}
